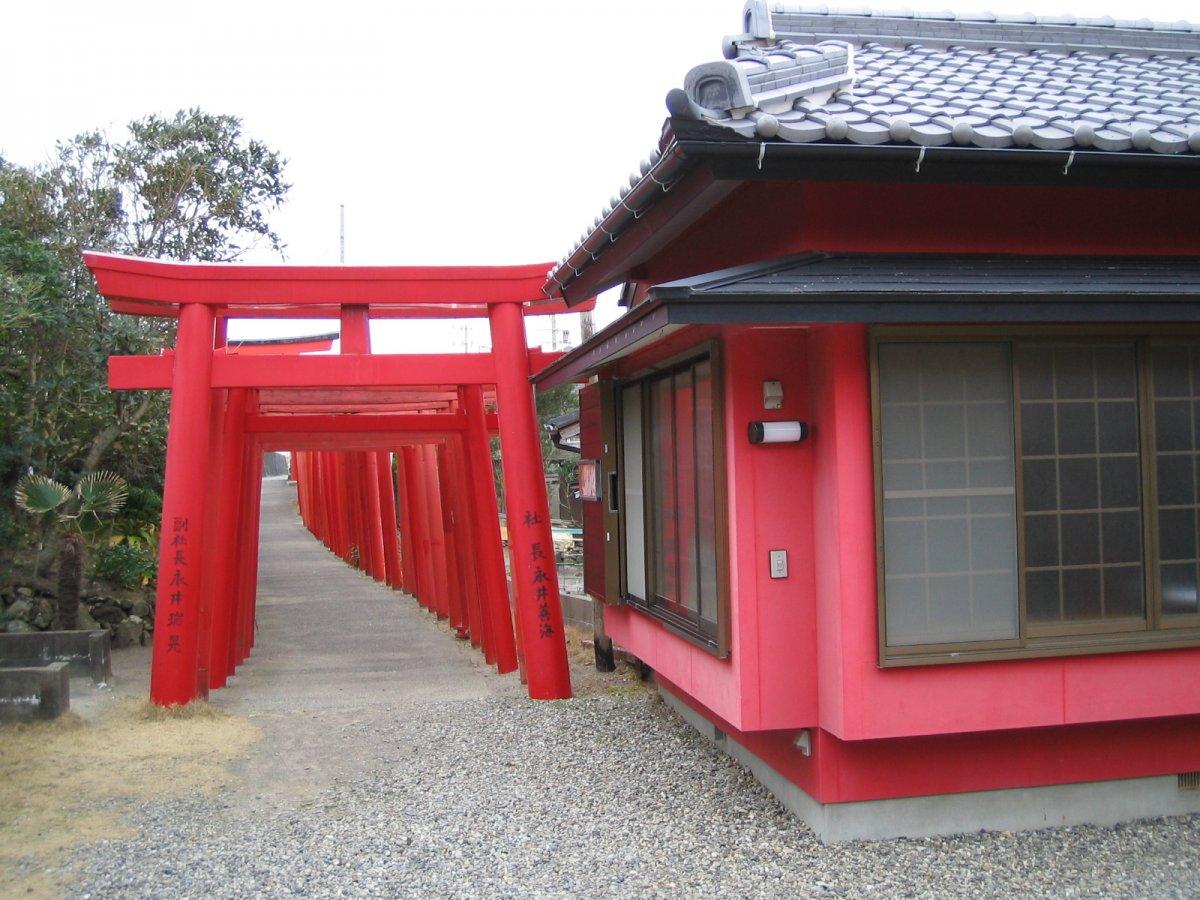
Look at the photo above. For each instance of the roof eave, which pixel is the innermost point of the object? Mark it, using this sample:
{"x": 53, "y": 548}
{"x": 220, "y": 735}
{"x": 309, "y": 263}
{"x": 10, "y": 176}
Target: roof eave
{"x": 732, "y": 159}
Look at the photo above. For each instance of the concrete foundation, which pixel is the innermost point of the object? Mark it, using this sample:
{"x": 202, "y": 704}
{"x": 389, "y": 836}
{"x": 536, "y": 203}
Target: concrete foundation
{"x": 87, "y": 653}
{"x": 35, "y": 692}
{"x": 577, "y": 611}
{"x": 1017, "y": 809}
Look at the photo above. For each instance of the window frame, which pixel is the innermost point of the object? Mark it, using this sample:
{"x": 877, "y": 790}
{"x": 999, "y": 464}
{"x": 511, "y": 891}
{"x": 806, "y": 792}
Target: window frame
{"x": 712, "y": 637}
{"x": 1154, "y": 630}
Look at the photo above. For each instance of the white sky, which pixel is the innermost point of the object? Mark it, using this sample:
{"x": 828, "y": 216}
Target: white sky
{"x": 467, "y": 132}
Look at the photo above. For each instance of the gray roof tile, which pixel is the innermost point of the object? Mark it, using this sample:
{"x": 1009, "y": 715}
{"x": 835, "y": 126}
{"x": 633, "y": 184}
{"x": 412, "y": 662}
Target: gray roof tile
{"x": 811, "y": 73}
{"x": 1062, "y": 82}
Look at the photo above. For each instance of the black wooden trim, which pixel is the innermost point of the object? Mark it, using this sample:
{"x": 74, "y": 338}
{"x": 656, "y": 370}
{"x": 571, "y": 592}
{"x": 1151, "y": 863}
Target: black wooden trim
{"x": 737, "y": 158}
{"x": 630, "y": 328}
{"x": 941, "y": 308}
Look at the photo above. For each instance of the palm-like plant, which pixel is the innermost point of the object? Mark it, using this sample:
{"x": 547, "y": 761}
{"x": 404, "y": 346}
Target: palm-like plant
{"x": 77, "y": 514}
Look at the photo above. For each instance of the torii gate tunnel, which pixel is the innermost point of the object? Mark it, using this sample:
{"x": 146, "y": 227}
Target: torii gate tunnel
{"x": 391, "y": 453}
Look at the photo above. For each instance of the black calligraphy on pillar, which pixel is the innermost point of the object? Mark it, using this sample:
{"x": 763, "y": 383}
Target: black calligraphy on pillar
{"x": 540, "y": 579}
{"x": 175, "y": 618}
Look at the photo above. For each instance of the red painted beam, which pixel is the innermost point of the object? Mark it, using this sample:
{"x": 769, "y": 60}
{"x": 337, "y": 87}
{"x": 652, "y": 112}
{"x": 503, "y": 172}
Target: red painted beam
{"x": 355, "y": 424}
{"x": 135, "y": 373}
{"x": 366, "y": 396}
{"x": 234, "y": 285}
{"x": 127, "y": 373}
{"x": 267, "y": 349}
{"x": 371, "y": 441}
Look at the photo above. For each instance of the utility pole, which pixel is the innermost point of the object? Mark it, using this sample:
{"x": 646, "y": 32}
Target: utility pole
{"x": 342, "y": 233}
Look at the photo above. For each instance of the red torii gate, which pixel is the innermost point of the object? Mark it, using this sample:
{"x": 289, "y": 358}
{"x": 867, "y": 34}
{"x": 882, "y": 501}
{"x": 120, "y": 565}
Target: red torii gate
{"x": 344, "y": 416}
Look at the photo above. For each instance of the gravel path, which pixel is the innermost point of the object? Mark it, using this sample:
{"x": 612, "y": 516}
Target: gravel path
{"x": 442, "y": 784}
{"x": 600, "y": 796}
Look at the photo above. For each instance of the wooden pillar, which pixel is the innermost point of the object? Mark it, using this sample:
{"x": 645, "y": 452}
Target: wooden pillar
{"x": 437, "y": 531}
{"x": 256, "y": 466}
{"x": 173, "y": 670}
{"x": 209, "y": 571}
{"x": 356, "y": 329}
{"x": 414, "y": 474}
{"x": 489, "y": 554}
{"x": 455, "y": 596}
{"x": 229, "y": 508}
{"x": 531, "y": 545}
{"x": 464, "y": 539}
{"x": 408, "y": 559}
{"x": 374, "y": 515}
{"x": 387, "y": 513}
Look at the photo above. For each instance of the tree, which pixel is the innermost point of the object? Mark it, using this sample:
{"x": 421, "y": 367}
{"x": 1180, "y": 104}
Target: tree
{"x": 78, "y": 514}
{"x": 189, "y": 186}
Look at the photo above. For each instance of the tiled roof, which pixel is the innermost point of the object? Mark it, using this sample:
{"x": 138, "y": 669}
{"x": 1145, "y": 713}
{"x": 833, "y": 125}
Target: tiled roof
{"x": 814, "y": 74}
{"x": 991, "y": 81}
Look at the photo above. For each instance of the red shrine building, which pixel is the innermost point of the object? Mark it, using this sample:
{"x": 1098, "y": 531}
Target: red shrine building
{"x": 892, "y": 461}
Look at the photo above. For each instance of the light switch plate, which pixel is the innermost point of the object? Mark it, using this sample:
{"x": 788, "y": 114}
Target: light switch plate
{"x": 779, "y": 564}
{"x": 772, "y": 395}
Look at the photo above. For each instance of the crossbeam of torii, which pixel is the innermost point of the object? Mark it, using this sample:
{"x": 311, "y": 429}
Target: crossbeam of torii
{"x": 344, "y": 416}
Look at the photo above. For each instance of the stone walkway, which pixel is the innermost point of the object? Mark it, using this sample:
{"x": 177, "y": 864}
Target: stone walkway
{"x": 336, "y": 649}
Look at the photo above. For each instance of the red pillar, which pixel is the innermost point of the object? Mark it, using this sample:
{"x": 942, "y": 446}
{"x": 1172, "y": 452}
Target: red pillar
{"x": 173, "y": 670}
{"x": 387, "y": 512}
{"x": 440, "y": 601}
{"x": 489, "y": 551}
{"x": 216, "y": 427}
{"x": 455, "y": 596}
{"x": 415, "y": 488}
{"x": 256, "y": 465}
{"x": 241, "y": 588}
{"x": 531, "y": 545}
{"x": 464, "y": 539}
{"x": 229, "y": 507}
{"x": 356, "y": 329}
{"x": 337, "y": 511}
{"x": 408, "y": 559}
{"x": 374, "y": 517}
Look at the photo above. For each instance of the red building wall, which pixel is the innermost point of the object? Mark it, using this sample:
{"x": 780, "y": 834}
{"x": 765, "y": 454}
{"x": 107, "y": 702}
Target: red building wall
{"x": 804, "y": 649}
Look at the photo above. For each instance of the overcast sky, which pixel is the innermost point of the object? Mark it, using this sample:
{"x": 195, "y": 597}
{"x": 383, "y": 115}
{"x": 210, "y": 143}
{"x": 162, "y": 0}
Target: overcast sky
{"x": 465, "y": 132}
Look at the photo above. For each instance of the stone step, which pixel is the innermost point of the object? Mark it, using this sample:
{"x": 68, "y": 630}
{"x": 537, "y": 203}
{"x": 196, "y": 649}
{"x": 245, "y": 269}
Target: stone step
{"x": 35, "y": 692}
{"x": 88, "y": 653}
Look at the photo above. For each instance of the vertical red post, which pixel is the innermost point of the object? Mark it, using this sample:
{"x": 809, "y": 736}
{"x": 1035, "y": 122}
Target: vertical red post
{"x": 174, "y": 666}
{"x": 387, "y": 513}
{"x": 374, "y": 519}
{"x": 356, "y": 329}
{"x": 256, "y": 466}
{"x": 489, "y": 552}
{"x": 531, "y": 545}
{"x": 408, "y": 559}
{"x": 440, "y": 601}
{"x": 229, "y": 507}
{"x": 464, "y": 539}
{"x": 414, "y": 475}
{"x": 208, "y": 572}
{"x": 455, "y": 597}
{"x": 354, "y": 497}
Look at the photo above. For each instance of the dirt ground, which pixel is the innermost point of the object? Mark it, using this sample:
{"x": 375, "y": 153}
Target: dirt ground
{"x": 74, "y": 781}
{"x": 338, "y": 660}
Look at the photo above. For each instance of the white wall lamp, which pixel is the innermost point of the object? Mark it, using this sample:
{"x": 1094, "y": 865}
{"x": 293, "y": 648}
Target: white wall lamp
{"x": 777, "y": 432}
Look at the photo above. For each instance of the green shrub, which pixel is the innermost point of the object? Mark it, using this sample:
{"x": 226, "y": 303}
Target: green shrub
{"x": 142, "y": 511}
{"x": 130, "y": 564}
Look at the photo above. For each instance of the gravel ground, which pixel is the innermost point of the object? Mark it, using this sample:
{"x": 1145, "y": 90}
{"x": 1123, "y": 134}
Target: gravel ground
{"x": 605, "y": 795}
